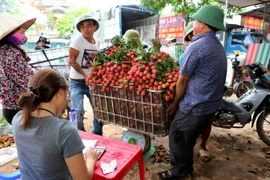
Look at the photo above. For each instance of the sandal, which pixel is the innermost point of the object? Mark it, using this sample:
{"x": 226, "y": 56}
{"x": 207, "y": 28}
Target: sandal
{"x": 168, "y": 174}
{"x": 204, "y": 155}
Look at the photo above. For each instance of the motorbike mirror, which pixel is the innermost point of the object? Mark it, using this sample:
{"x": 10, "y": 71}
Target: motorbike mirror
{"x": 264, "y": 69}
{"x": 259, "y": 69}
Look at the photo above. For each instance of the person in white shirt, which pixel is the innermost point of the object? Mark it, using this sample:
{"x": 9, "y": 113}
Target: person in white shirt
{"x": 81, "y": 54}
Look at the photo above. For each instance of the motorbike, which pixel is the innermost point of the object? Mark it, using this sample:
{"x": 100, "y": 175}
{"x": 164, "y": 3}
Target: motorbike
{"x": 238, "y": 85}
{"x": 253, "y": 106}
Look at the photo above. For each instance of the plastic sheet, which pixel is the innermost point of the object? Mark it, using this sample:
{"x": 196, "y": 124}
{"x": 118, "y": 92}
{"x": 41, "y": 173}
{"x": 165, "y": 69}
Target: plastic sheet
{"x": 7, "y": 154}
{"x": 5, "y": 129}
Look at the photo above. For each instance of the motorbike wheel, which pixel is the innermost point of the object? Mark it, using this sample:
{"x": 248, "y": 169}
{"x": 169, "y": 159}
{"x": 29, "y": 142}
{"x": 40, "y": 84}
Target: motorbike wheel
{"x": 242, "y": 87}
{"x": 263, "y": 127}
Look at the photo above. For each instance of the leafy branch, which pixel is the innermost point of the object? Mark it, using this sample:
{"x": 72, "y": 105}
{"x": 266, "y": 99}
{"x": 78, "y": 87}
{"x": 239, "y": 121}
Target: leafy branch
{"x": 188, "y": 7}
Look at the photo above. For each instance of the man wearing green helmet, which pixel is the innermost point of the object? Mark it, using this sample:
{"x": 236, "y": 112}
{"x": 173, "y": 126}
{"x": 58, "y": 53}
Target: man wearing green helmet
{"x": 132, "y": 34}
{"x": 187, "y": 38}
{"x": 81, "y": 54}
{"x": 199, "y": 91}
{"x": 204, "y": 154}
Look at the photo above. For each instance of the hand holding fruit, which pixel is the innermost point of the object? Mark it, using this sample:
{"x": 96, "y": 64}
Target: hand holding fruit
{"x": 87, "y": 78}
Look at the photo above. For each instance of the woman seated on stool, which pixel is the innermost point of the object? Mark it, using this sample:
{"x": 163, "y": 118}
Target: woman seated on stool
{"x": 49, "y": 147}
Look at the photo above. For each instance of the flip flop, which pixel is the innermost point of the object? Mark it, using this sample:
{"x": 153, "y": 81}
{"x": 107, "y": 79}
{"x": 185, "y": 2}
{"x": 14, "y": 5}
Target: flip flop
{"x": 163, "y": 175}
{"x": 204, "y": 155}
{"x": 169, "y": 175}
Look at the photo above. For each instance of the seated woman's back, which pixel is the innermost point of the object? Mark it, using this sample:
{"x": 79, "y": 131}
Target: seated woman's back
{"x": 49, "y": 147}
{"x": 44, "y": 145}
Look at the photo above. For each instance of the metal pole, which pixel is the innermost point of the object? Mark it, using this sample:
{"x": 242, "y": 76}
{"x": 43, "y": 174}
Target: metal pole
{"x": 225, "y": 19}
{"x": 264, "y": 19}
{"x": 226, "y": 13}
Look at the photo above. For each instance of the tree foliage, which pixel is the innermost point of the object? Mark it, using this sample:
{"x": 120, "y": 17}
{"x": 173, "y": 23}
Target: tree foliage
{"x": 64, "y": 23}
{"x": 10, "y": 7}
{"x": 187, "y": 7}
{"x": 50, "y": 16}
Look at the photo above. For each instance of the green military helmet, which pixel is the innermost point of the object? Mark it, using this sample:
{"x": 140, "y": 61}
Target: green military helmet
{"x": 211, "y": 15}
{"x": 132, "y": 34}
{"x": 188, "y": 30}
{"x": 86, "y": 18}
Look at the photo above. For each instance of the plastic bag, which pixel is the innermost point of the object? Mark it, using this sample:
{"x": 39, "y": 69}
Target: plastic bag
{"x": 7, "y": 154}
{"x": 5, "y": 130}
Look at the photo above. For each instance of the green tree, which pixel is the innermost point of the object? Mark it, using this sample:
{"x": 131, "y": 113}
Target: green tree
{"x": 10, "y": 7}
{"x": 64, "y": 24}
{"x": 187, "y": 7}
{"x": 50, "y": 16}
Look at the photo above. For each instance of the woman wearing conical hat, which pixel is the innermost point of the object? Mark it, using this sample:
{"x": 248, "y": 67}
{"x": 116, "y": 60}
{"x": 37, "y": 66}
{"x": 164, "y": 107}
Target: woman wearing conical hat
{"x": 15, "y": 71}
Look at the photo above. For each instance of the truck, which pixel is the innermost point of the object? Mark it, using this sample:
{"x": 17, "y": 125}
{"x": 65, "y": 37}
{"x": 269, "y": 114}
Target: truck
{"x": 115, "y": 21}
{"x": 237, "y": 39}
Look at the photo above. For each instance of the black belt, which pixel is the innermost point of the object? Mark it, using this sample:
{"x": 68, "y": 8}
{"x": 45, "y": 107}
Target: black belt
{"x": 78, "y": 80}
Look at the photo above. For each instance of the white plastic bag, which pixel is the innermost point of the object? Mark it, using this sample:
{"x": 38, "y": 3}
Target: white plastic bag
{"x": 7, "y": 154}
{"x": 5, "y": 129}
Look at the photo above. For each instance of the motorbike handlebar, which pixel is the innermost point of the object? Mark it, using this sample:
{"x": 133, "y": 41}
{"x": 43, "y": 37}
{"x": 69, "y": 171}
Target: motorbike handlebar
{"x": 235, "y": 62}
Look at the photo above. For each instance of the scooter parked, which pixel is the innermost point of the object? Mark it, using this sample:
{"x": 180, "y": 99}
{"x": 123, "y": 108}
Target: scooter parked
{"x": 253, "y": 106}
{"x": 238, "y": 85}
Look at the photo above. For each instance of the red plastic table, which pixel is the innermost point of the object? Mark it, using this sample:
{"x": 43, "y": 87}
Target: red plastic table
{"x": 125, "y": 154}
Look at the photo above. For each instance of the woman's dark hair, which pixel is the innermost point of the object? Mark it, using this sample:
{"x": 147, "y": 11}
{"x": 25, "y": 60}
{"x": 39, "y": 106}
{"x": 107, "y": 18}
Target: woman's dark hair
{"x": 43, "y": 86}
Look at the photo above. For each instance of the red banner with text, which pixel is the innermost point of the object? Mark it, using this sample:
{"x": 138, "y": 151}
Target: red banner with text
{"x": 171, "y": 26}
{"x": 268, "y": 27}
{"x": 253, "y": 23}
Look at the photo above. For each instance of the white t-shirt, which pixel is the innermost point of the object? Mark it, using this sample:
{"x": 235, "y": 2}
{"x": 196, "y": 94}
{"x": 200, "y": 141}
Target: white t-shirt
{"x": 87, "y": 52}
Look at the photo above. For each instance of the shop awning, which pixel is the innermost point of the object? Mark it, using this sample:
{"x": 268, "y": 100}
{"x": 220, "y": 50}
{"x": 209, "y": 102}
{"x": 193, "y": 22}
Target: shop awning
{"x": 244, "y": 3}
{"x": 262, "y": 13}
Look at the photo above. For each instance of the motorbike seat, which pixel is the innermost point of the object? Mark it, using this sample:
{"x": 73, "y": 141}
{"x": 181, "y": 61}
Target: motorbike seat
{"x": 266, "y": 78}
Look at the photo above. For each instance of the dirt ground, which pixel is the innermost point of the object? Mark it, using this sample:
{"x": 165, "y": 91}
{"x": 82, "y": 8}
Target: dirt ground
{"x": 236, "y": 154}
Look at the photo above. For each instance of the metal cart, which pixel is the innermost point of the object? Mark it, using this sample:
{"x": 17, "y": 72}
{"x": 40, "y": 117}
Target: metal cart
{"x": 143, "y": 115}
{"x": 55, "y": 58}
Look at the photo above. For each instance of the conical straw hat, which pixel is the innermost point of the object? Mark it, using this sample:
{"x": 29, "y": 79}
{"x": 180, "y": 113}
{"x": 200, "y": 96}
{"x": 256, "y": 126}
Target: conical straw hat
{"x": 12, "y": 23}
